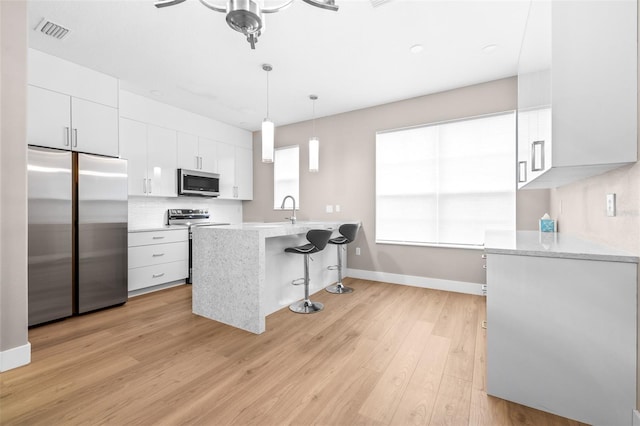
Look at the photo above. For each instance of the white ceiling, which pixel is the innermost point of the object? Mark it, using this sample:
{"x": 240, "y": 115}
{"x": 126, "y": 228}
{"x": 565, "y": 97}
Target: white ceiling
{"x": 186, "y": 55}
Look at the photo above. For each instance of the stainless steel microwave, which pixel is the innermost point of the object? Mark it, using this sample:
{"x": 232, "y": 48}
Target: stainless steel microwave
{"x": 197, "y": 183}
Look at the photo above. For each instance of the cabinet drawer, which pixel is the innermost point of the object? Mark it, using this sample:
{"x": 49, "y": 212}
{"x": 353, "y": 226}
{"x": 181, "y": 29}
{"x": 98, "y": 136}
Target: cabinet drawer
{"x": 158, "y": 253}
{"x": 157, "y": 237}
{"x": 149, "y": 276}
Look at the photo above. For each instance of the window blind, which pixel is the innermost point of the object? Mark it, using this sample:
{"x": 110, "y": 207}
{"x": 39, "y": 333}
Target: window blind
{"x": 446, "y": 183}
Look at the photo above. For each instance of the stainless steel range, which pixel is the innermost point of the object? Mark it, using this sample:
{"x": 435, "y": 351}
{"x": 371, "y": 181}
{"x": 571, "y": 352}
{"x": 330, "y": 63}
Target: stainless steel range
{"x": 190, "y": 218}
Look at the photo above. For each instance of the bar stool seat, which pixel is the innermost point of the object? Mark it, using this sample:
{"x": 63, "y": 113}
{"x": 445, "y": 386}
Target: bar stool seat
{"x": 318, "y": 239}
{"x": 348, "y": 233}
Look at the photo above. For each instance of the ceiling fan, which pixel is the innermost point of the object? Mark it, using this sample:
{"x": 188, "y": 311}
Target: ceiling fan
{"x": 245, "y": 16}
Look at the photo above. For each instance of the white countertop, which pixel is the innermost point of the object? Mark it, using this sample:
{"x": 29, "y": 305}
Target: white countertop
{"x": 276, "y": 229}
{"x": 552, "y": 244}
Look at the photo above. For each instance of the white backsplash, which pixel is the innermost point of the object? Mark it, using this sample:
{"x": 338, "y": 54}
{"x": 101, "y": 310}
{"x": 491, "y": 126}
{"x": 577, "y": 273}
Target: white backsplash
{"x": 150, "y": 212}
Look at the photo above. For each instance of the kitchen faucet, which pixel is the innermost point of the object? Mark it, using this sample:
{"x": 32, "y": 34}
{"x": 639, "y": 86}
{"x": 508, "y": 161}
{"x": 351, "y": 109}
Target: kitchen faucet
{"x": 293, "y": 210}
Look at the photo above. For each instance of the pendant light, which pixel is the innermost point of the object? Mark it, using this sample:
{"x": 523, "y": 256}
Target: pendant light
{"x": 267, "y": 126}
{"x": 314, "y": 142}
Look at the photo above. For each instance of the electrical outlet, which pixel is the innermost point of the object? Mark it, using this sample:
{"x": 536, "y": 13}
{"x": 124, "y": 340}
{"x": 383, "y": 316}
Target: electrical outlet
{"x": 329, "y": 208}
{"x": 337, "y": 208}
{"x": 611, "y": 205}
{"x": 357, "y": 251}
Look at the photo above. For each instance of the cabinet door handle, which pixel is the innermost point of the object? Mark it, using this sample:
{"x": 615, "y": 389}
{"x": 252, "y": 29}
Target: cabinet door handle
{"x": 158, "y": 237}
{"x": 200, "y": 163}
{"x": 144, "y": 186}
{"x": 158, "y": 275}
{"x": 537, "y": 156}
{"x": 157, "y": 254}
{"x": 150, "y": 187}
{"x": 522, "y": 171}
{"x": 66, "y": 136}
{"x": 75, "y": 138}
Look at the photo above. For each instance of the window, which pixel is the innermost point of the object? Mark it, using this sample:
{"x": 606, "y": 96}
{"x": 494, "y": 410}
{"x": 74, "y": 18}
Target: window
{"x": 286, "y": 175}
{"x": 446, "y": 183}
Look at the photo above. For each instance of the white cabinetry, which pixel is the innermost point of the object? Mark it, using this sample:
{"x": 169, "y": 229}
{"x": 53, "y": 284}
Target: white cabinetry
{"x": 196, "y": 153}
{"x": 235, "y": 166}
{"x": 151, "y": 154}
{"x": 157, "y": 257}
{"x": 61, "y": 121}
{"x": 561, "y": 328}
{"x": 577, "y": 96}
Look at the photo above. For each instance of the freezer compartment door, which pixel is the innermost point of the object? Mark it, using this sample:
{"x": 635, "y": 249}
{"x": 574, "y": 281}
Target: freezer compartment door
{"x": 102, "y": 232}
{"x": 50, "y": 238}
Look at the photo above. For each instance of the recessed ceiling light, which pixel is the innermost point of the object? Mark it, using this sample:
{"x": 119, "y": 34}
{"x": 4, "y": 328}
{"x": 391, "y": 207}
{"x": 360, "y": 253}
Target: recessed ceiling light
{"x": 489, "y": 48}
{"x": 416, "y": 48}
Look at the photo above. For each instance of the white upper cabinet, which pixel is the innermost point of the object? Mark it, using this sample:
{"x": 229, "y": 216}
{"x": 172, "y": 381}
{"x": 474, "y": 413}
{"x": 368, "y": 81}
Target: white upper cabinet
{"x": 235, "y": 166}
{"x": 57, "y": 120}
{"x": 195, "y": 153}
{"x": 577, "y": 91}
{"x": 180, "y": 139}
{"x": 70, "y": 106}
{"x": 151, "y": 154}
{"x": 208, "y": 152}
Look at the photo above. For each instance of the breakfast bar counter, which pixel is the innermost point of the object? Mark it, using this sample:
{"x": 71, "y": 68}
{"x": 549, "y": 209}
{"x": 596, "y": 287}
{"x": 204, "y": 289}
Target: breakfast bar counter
{"x": 241, "y": 273}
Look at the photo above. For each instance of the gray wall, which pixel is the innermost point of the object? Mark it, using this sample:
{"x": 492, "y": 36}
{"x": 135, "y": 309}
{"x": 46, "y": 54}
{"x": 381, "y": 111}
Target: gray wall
{"x": 13, "y": 175}
{"x": 347, "y": 176}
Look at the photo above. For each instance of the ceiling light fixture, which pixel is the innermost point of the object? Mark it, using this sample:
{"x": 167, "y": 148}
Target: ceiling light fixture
{"x": 267, "y": 126}
{"x": 246, "y": 16}
{"x": 314, "y": 142}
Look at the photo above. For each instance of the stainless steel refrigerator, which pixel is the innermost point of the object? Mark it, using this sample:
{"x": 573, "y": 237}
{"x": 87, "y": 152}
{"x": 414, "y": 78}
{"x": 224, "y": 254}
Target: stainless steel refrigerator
{"x": 77, "y": 233}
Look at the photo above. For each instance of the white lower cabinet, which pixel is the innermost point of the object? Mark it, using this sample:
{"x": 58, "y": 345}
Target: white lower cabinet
{"x": 561, "y": 335}
{"x": 157, "y": 257}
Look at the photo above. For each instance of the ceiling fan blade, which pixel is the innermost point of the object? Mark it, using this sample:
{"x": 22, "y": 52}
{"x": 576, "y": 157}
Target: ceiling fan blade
{"x": 212, "y": 7}
{"x": 165, "y": 3}
{"x": 324, "y": 4}
{"x": 275, "y": 9}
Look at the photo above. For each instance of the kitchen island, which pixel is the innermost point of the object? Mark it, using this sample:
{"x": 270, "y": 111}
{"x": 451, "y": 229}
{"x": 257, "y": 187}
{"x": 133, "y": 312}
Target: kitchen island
{"x": 241, "y": 273}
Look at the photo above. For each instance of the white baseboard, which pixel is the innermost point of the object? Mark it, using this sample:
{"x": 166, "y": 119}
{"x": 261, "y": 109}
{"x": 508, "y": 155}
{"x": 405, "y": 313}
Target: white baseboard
{"x": 15, "y": 357}
{"x": 415, "y": 281}
{"x": 141, "y": 291}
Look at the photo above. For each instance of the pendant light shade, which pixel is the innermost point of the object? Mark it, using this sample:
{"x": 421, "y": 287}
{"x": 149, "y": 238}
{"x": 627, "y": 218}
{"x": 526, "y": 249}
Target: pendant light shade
{"x": 314, "y": 154}
{"x": 267, "y": 127}
{"x": 267, "y": 141}
{"x": 314, "y": 142}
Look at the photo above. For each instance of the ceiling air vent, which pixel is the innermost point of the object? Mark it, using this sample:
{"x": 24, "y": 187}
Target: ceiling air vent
{"x": 52, "y": 29}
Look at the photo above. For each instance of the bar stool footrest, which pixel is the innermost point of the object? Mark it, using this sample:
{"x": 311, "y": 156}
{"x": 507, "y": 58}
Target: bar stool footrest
{"x": 298, "y": 281}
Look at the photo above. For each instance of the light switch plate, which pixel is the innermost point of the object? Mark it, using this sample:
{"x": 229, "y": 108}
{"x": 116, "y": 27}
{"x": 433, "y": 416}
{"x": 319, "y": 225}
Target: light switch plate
{"x": 337, "y": 208}
{"x": 329, "y": 208}
{"x": 611, "y": 205}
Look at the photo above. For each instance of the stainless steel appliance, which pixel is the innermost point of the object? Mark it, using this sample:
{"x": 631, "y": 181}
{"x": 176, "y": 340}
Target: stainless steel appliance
{"x": 77, "y": 206}
{"x": 198, "y": 183}
{"x": 190, "y": 218}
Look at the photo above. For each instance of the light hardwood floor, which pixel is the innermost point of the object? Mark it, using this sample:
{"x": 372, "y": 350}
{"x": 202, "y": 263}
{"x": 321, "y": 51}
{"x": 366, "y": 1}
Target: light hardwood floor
{"x": 384, "y": 355}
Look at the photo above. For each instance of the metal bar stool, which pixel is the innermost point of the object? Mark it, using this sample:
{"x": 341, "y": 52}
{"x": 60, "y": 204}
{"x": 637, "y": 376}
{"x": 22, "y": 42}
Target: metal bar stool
{"x": 318, "y": 239}
{"x": 348, "y": 233}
